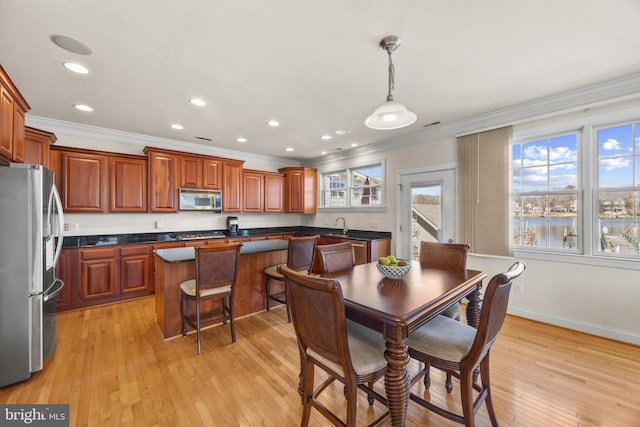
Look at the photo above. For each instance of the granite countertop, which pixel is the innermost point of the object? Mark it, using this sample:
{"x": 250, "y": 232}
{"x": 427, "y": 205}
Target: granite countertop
{"x": 189, "y": 253}
{"x": 179, "y": 236}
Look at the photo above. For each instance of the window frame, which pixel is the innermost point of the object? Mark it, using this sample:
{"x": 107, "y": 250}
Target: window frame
{"x": 348, "y": 170}
{"x": 588, "y": 123}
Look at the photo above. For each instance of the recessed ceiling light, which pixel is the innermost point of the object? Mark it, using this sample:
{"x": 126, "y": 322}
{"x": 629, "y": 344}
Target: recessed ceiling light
{"x": 71, "y": 45}
{"x": 75, "y": 67}
{"x": 341, "y": 132}
{"x": 241, "y": 140}
{"x": 289, "y": 149}
{"x": 325, "y": 137}
{"x": 82, "y": 107}
{"x": 323, "y": 152}
{"x": 177, "y": 126}
{"x": 197, "y": 101}
{"x": 273, "y": 123}
{"x": 354, "y": 144}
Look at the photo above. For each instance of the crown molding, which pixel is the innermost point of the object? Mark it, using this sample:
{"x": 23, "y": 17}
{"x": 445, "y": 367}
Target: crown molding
{"x": 622, "y": 89}
{"x": 103, "y": 134}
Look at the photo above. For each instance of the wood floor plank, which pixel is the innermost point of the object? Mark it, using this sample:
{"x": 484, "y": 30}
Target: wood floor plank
{"x": 113, "y": 368}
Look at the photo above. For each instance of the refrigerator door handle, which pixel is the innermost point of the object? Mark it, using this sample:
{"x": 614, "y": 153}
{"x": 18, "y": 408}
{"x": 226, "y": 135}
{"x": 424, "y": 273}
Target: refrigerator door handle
{"x": 58, "y": 202}
{"x": 53, "y": 291}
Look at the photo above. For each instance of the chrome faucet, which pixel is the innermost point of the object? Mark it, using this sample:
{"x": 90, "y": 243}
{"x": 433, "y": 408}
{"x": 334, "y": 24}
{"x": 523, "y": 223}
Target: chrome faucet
{"x": 344, "y": 224}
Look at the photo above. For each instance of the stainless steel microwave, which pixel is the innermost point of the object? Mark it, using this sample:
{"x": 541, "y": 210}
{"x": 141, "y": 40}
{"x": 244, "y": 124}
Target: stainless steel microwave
{"x": 192, "y": 199}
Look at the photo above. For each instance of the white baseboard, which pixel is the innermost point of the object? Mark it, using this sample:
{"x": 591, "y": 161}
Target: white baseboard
{"x": 598, "y": 330}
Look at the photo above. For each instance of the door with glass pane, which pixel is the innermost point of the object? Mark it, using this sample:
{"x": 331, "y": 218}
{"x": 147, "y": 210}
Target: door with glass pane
{"x": 427, "y": 210}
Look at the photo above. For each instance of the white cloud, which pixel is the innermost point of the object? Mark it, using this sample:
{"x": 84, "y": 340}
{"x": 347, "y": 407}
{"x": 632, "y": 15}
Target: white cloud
{"x": 615, "y": 163}
{"x": 611, "y": 144}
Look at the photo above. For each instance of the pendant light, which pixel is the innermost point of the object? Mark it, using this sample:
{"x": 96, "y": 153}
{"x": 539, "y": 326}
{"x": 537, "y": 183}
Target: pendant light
{"x": 391, "y": 114}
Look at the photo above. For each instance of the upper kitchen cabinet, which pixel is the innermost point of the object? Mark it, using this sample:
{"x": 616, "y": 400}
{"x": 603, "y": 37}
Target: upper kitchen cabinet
{"x": 99, "y": 182}
{"x": 273, "y": 192}
{"x": 200, "y": 172}
{"x": 232, "y": 186}
{"x": 163, "y": 176}
{"x": 300, "y": 190}
{"x": 12, "y": 110}
{"x": 128, "y": 184}
{"x": 262, "y": 191}
{"x": 37, "y": 146}
{"x": 84, "y": 182}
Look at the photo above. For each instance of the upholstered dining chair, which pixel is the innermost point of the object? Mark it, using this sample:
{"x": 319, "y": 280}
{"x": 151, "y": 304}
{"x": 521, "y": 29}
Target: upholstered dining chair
{"x": 299, "y": 258}
{"x": 350, "y": 353}
{"x": 334, "y": 257}
{"x": 216, "y": 277}
{"x": 458, "y": 349}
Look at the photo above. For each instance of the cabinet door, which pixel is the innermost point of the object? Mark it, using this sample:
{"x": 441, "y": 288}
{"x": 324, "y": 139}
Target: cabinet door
{"x": 360, "y": 250}
{"x": 135, "y": 270}
{"x": 252, "y": 191}
{"x": 232, "y": 184}
{"x": 37, "y": 145}
{"x": 18, "y": 134}
{"x": 6, "y": 123}
{"x": 98, "y": 274}
{"x": 212, "y": 174}
{"x": 300, "y": 190}
{"x": 190, "y": 172}
{"x": 273, "y": 193}
{"x": 84, "y": 179}
{"x": 63, "y": 272}
{"x": 163, "y": 195}
{"x": 128, "y": 189}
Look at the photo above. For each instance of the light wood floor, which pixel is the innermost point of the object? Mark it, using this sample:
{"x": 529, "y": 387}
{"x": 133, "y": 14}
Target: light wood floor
{"x": 114, "y": 369}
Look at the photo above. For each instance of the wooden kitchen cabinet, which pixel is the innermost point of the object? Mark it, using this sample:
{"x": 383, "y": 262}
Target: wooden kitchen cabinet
{"x": 300, "y": 190}
{"x": 37, "y": 146}
{"x": 232, "y": 186}
{"x": 135, "y": 270}
{"x": 98, "y": 277}
{"x": 127, "y": 184}
{"x": 200, "y": 172}
{"x": 252, "y": 191}
{"x": 163, "y": 180}
{"x": 13, "y": 108}
{"x": 273, "y": 192}
{"x": 84, "y": 182}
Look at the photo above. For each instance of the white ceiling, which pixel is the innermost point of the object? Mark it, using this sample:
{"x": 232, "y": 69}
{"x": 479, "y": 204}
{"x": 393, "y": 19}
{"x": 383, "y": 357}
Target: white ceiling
{"x": 313, "y": 65}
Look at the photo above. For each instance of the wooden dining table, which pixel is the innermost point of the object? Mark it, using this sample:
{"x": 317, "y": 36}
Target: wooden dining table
{"x": 396, "y": 307}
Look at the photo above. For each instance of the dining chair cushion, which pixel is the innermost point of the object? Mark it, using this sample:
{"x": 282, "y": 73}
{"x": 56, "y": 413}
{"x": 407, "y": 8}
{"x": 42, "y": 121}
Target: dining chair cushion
{"x": 273, "y": 271}
{"x": 444, "y": 338}
{"x": 453, "y": 311}
{"x": 189, "y": 288}
{"x": 366, "y": 348}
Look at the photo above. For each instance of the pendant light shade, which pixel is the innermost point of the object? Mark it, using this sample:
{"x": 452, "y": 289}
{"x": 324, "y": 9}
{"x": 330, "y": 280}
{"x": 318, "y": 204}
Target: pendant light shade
{"x": 391, "y": 114}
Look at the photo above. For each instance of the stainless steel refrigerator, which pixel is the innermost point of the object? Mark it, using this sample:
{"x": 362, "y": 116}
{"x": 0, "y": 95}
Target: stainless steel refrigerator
{"x": 31, "y": 226}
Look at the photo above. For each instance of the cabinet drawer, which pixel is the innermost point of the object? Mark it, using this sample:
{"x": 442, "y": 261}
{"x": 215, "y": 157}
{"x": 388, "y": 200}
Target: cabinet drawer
{"x": 91, "y": 254}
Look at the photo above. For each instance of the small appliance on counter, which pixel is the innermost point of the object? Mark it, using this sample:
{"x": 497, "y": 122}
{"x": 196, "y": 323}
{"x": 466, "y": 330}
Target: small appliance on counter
{"x": 232, "y": 225}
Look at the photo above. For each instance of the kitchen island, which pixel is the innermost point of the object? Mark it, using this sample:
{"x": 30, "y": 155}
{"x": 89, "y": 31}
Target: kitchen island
{"x": 175, "y": 265}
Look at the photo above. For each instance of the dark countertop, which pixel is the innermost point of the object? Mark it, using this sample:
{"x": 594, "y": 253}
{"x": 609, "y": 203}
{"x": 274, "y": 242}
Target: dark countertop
{"x": 179, "y": 236}
{"x": 189, "y": 253}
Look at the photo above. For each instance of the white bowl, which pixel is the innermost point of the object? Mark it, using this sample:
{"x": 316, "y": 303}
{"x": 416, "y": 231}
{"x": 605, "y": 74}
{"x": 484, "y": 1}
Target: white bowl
{"x": 394, "y": 271}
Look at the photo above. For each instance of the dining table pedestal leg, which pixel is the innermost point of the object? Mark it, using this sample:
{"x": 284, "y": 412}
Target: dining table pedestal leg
{"x": 396, "y": 378}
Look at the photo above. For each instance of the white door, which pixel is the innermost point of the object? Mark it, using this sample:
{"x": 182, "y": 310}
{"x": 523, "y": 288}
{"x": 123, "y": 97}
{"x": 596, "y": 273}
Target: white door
{"x": 427, "y": 209}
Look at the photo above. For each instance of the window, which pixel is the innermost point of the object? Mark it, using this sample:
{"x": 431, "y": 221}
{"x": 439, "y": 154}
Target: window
{"x": 578, "y": 192}
{"x": 618, "y": 189}
{"x": 360, "y": 186}
{"x": 545, "y": 201}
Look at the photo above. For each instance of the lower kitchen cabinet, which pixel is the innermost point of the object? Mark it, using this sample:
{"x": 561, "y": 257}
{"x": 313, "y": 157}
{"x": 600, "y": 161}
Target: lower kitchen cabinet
{"x": 95, "y": 276}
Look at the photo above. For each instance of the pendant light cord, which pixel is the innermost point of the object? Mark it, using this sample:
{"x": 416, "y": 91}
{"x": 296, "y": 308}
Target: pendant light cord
{"x": 392, "y": 75}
